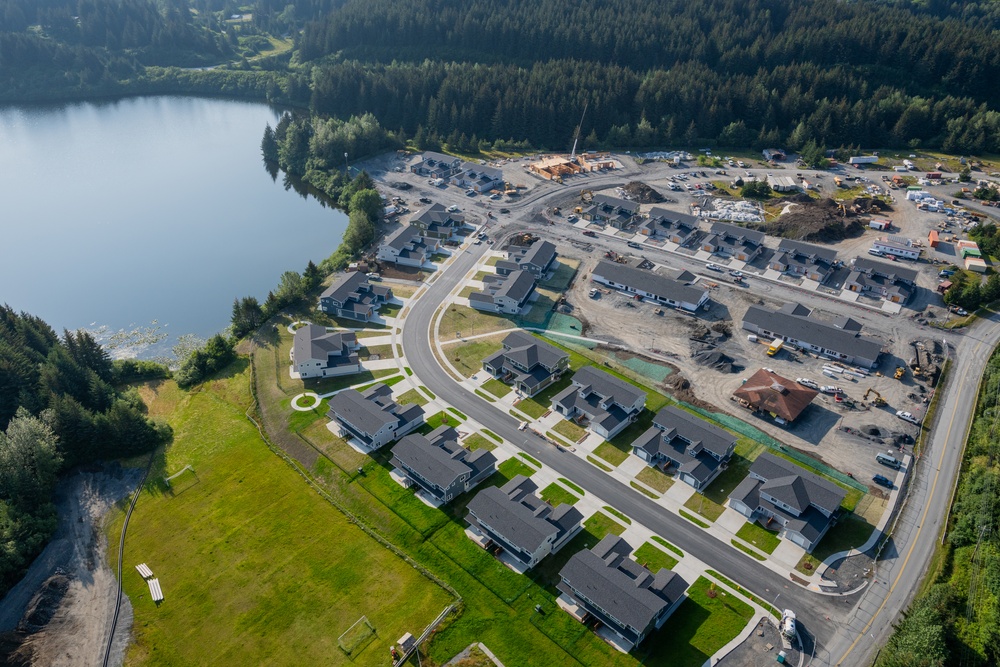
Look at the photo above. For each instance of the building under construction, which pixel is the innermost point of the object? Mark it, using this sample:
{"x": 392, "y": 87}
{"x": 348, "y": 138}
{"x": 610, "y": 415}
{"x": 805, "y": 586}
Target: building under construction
{"x": 557, "y": 167}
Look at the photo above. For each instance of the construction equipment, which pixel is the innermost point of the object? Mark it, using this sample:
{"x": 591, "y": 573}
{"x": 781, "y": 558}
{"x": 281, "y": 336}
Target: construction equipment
{"x": 879, "y": 401}
{"x": 900, "y": 372}
{"x": 587, "y": 196}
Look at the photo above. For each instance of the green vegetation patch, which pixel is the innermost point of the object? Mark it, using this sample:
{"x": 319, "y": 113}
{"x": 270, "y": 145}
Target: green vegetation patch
{"x": 390, "y": 309}
{"x": 513, "y": 467}
{"x": 613, "y": 512}
{"x": 493, "y": 435}
{"x": 765, "y": 540}
{"x": 467, "y": 291}
{"x": 693, "y": 519}
{"x": 382, "y": 351}
{"x": 411, "y": 397}
{"x": 530, "y": 459}
{"x": 643, "y": 490}
{"x": 457, "y": 413}
{"x": 570, "y": 430}
{"x": 496, "y": 387}
{"x": 573, "y": 486}
{"x": 655, "y": 479}
{"x": 705, "y": 507}
{"x": 610, "y": 453}
{"x": 599, "y": 464}
{"x": 667, "y": 545}
{"x": 556, "y": 495}
{"x": 747, "y": 550}
{"x": 601, "y": 525}
{"x": 460, "y": 321}
{"x": 654, "y": 559}
{"x": 486, "y": 397}
{"x": 477, "y": 441}
{"x": 441, "y": 418}
{"x": 468, "y": 357}
{"x": 745, "y": 593}
{"x": 563, "y": 276}
{"x": 538, "y": 405}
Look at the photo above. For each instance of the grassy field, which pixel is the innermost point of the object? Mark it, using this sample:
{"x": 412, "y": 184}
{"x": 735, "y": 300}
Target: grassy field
{"x": 556, "y": 495}
{"x": 468, "y": 290}
{"x": 560, "y": 280}
{"x": 851, "y": 531}
{"x": 654, "y": 558}
{"x": 513, "y": 467}
{"x": 610, "y": 453}
{"x": 470, "y": 322}
{"x": 655, "y": 479}
{"x": 468, "y": 357}
{"x": 496, "y": 387}
{"x": 747, "y": 550}
{"x": 411, "y": 396}
{"x": 279, "y": 571}
{"x": 570, "y": 430}
{"x": 705, "y": 507}
{"x": 477, "y": 441}
{"x": 538, "y": 405}
{"x": 765, "y": 540}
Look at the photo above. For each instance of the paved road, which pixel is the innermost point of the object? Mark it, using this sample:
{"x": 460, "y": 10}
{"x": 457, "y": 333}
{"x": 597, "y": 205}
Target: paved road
{"x": 848, "y": 630}
{"x": 810, "y": 607}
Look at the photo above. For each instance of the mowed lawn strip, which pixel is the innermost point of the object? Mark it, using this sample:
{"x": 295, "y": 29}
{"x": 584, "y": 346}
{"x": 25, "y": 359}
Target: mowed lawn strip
{"x": 468, "y": 357}
{"x": 655, "y": 479}
{"x": 496, "y": 387}
{"x": 279, "y": 571}
{"x": 654, "y": 558}
{"x": 753, "y": 534}
{"x": 704, "y": 507}
{"x": 555, "y": 495}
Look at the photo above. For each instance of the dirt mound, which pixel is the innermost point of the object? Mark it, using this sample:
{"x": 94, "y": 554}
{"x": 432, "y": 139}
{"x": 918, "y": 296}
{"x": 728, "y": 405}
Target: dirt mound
{"x": 717, "y": 361}
{"x": 642, "y": 193}
{"x": 818, "y": 221}
{"x": 44, "y": 604}
{"x": 868, "y": 205}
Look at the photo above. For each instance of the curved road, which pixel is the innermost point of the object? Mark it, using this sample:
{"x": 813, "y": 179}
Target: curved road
{"x": 848, "y": 629}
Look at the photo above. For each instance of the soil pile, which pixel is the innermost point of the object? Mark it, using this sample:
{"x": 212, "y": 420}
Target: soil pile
{"x": 643, "y": 194}
{"x": 818, "y": 221}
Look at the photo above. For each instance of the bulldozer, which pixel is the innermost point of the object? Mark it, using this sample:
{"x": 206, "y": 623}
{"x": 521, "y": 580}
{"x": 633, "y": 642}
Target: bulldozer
{"x": 900, "y": 372}
{"x": 878, "y": 402}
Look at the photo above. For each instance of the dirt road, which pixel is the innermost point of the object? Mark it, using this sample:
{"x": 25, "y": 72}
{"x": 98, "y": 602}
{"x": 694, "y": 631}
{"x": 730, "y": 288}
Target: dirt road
{"x": 78, "y": 622}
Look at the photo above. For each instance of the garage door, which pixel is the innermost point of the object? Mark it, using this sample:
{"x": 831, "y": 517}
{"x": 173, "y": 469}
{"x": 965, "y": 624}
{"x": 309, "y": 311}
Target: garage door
{"x": 797, "y": 539}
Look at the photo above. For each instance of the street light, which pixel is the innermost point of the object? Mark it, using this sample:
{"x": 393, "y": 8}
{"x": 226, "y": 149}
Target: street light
{"x": 347, "y": 169}
{"x": 775, "y": 602}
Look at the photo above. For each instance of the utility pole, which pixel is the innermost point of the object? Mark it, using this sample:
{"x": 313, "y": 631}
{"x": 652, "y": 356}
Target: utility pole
{"x": 347, "y": 169}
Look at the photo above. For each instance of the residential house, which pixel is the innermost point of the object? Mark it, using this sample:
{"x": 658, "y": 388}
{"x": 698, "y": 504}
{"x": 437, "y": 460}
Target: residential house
{"x": 436, "y": 222}
{"x": 439, "y": 465}
{"x": 527, "y": 363}
{"x": 738, "y": 242}
{"x": 526, "y": 527}
{"x": 679, "y": 440}
{"x": 504, "y": 294}
{"x": 608, "y": 403}
{"x": 354, "y": 297}
{"x": 436, "y": 165}
{"x": 801, "y": 503}
{"x": 611, "y": 210}
{"x": 407, "y": 247}
{"x": 675, "y": 227}
{"x": 804, "y": 259}
{"x": 372, "y": 416}
{"x": 478, "y": 177}
{"x": 897, "y": 246}
{"x": 317, "y": 353}
{"x": 766, "y": 391}
{"x": 646, "y": 284}
{"x": 794, "y": 324}
{"x": 536, "y": 259}
{"x": 887, "y": 280}
{"x": 621, "y": 594}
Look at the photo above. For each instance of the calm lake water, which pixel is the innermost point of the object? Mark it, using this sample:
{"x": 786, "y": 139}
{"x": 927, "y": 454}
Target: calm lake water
{"x": 158, "y": 208}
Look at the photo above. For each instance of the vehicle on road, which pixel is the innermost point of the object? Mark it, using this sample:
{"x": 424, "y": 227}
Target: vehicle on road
{"x": 806, "y": 382}
{"x": 633, "y": 244}
{"x": 883, "y": 481}
{"x": 589, "y": 232}
{"x": 788, "y": 623}
{"x": 425, "y": 200}
{"x": 505, "y": 210}
{"x": 478, "y": 242}
{"x": 736, "y": 274}
{"x": 522, "y": 426}
{"x": 452, "y": 208}
{"x": 715, "y": 267}
{"x": 907, "y": 416}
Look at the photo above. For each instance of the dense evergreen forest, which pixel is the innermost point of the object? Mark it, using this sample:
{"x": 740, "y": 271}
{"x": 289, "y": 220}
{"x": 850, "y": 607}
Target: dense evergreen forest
{"x": 62, "y": 404}
{"x": 717, "y": 72}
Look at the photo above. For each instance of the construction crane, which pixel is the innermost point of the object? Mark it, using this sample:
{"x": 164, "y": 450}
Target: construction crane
{"x": 879, "y": 401}
{"x": 576, "y": 138}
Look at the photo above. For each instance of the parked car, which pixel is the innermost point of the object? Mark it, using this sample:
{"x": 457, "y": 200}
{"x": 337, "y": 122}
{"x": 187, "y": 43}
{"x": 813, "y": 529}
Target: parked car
{"x": 589, "y": 232}
{"x": 806, "y": 382}
{"x": 374, "y": 276}
{"x": 495, "y": 196}
{"x": 522, "y": 426}
{"x": 830, "y": 389}
{"x": 452, "y": 208}
{"x": 425, "y": 200}
{"x": 505, "y": 210}
{"x": 714, "y": 267}
{"x": 882, "y": 481}
{"x": 633, "y": 244}
{"x": 907, "y": 416}
{"x": 875, "y": 251}
{"x": 736, "y": 274}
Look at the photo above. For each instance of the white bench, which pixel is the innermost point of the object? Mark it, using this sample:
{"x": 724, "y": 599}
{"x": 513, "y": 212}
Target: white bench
{"x": 144, "y": 570}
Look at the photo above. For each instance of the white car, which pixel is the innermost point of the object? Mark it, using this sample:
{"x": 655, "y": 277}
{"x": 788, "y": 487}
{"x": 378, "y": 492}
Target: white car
{"x": 452, "y": 208}
{"x": 714, "y": 267}
{"x": 806, "y": 382}
{"x": 374, "y": 276}
{"x": 522, "y": 426}
{"x": 907, "y": 416}
{"x": 830, "y": 389}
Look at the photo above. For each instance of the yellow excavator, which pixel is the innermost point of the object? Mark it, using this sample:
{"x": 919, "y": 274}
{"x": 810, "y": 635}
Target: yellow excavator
{"x": 879, "y": 401}
{"x": 900, "y": 372}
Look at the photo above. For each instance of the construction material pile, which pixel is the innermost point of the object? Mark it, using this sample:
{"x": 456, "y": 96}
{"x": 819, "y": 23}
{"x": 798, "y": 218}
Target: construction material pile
{"x": 705, "y": 351}
{"x": 824, "y": 221}
{"x": 643, "y": 194}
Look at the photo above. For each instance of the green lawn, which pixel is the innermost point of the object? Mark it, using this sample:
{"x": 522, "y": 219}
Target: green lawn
{"x": 700, "y": 627}
{"x": 390, "y": 309}
{"x": 643, "y": 490}
{"x": 571, "y": 485}
{"x": 513, "y": 467}
{"x": 383, "y": 351}
{"x": 411, "y": 396}
{"x": 530, "y": 459}
{"x": 467, "y": 291}
{"x": 747, "y": 550}
{"x": 279, "y": 571}
{"x": 531, "y": 408}
{"x": 556, "y": 495}
{"x": 569, "y": 430}
{"x": 653, "y": 558}
{"x": 704, "y": 507}
{"x": 486, "y": 397}
{"x": 613, "y": 512}
{"x": 655, "y": 479}
{"x": 468, "y": 357}
{"x": 539, "y": 404}
{"x": 482, "y": 274}
{"x": 720, "y": 488}
{"x": 765, "y": 540}
{"x": 496, "y": 387}
{"x": 609, "y": 453}
{"x": 667, "y": 545}
{"x": 851, "y": 531}
{"x": 693, "y": 519}
{"x": 477, "y": 441}
{"x": 492, "y": 261}
{"x": 599, "y": 464}
{"x": 439, "y": 419}
{"x": 565, "y": 270}
{"x": 470, "y": 322}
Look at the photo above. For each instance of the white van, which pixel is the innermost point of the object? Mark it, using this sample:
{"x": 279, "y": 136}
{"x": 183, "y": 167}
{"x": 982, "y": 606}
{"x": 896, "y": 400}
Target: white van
{"x": 889, "y": 460}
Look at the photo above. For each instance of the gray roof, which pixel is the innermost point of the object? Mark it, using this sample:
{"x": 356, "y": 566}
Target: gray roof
{"x": 890, "y": 270}
{"x": 480, "y": 171}
{"x": 607, "y": 386}
{"x": 661, "y": 286}
{"x": 517, "y": 286}
{"x": 431, "y": 156}
{"x": 814, "y": 332}
{"x": 677, "y": 422}
{"x": 673, "y": 218}
{"x": 796, "y": 486}
{"x": 828, "y": 255}
{"x": 847, "y": 323}
{"x": 725, "y": 229}
{"x": 441, "y": 460}
{"x": 313, "y": 342}
{"x": 626, "y": 590}
{"x": 519, "y": 516}
{"x": 540, "y": 253}
{"x": 404, "y": 237}
{"x": 615, "y": 202}
{"x": 527, "y": 350}
{"x": 437, "y": 215}
{"x": 360, "y": 412}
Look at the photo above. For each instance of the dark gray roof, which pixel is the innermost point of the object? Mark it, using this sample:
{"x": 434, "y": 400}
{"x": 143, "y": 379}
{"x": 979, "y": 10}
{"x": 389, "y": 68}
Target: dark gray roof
{"x": 436, "y": 215}
{"x": 677, "y": 422}
{"x": 673, "y": 218}
{"x": 440, "y": 461}
{"x": 607, "y": 386}
{"x": 650, "y": 282}
{"x": 795, "y": 309}
{"x": 725, "y": 229}
{"x": 517, "y": 286}
{"x": 360, "y": 412}
{"x": 847, "y": 323}
{"x": 828, "y": 255}
{"x": 404, "y": 237}
{"x": 346, "y": 285}
{"x": 891, "y": 270}
{"x": 519, "y": 516}
{"x": 810, "y": 523}
{"x": 314, "y": 342}
{"x": 431, "y": 156}
{"x": 540, "y": 253}
{"x": 527, "y": 350}
{"x": 796, "y": 486}
{"x": 615, "y": 202}
{"x": 627, "y": 591}
{"x": 814, "y": 332}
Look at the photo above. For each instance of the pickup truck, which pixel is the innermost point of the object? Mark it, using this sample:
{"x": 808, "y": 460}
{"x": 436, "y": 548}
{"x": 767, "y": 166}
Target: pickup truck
{"x": 589, "y": 232}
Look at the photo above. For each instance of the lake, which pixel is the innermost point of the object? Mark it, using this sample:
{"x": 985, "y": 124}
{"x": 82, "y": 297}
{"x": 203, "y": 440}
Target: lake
{"x": 119, "y": 213}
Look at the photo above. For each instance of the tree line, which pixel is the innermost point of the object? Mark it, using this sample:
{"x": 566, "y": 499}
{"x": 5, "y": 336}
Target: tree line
{"x": 63, "y": 402}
